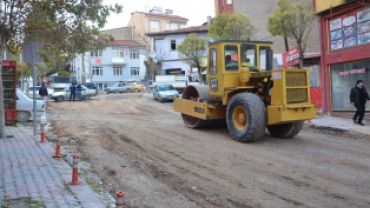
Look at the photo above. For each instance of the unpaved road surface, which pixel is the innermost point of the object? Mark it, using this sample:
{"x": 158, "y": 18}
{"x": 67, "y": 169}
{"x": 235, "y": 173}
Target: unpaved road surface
{"x": 142, "y": 147}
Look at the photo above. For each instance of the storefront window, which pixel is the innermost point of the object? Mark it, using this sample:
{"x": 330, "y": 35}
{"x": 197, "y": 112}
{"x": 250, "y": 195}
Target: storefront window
{"x": 343, "y": 78}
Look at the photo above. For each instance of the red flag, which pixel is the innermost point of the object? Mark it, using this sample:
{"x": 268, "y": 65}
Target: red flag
{"x": 126, "y": 51}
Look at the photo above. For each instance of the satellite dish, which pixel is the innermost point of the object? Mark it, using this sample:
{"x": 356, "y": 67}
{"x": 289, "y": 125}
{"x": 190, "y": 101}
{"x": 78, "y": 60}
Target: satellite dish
{"x": 155, "y": 60}
{"x": 153, "y": 54}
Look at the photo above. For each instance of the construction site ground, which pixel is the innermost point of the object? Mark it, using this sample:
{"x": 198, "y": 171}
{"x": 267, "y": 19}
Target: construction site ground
{"x": 142, "y": 147}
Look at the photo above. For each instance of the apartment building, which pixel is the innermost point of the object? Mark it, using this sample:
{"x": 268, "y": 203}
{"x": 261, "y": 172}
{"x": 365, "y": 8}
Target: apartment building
{"x": 258, "y": 12}
{"x": 122, "y": 60}
{"x": 166, "y": 43}
{"x": 154, "y": 21}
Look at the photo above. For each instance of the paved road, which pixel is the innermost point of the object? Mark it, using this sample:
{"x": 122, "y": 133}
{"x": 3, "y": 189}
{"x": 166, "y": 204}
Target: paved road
{"x": 143, "y": 146}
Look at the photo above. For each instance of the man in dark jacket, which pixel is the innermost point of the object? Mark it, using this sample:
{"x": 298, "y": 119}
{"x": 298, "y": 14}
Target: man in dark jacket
{"x": 43, "y": 92}
{"x": 72, "y": 88}
{"x": 358, "y": 98}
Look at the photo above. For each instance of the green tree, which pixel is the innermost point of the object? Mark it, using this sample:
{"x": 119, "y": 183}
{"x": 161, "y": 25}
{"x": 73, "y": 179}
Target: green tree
{"x": 62, "y": 26}
{"x": 293, "y": 19}
{"x": 231, "y": 27}
{"x": 193, "y": 50}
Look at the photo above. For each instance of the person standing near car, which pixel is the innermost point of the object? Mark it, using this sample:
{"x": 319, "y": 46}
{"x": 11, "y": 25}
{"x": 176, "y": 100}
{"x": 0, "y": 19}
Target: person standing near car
{"x": 43, "y": 92}
{"x": 78, "y": 88}
{"x": 72, "y": 88}
{"x": 358, "y": 97}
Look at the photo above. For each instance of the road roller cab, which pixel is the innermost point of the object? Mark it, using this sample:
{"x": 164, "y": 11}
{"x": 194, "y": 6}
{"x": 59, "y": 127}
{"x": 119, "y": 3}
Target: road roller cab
{"x": 246, "y": 94}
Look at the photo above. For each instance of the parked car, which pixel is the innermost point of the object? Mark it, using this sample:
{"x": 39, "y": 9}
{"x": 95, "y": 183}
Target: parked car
{"x": 119, "y": 87}
{"x": 164, "y": 92}
{"x": 65, "y": 94}
{"x": 25, "y": 107}
{"x": 135, "y": 87}
{"x": 30, "y": 93}
{"x": 89, "y": 85}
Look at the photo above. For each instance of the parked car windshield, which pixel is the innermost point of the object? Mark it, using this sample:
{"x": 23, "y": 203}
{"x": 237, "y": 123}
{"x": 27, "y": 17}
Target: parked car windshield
{"x": 131, "y": 83}
{"x": 166, "y": 88}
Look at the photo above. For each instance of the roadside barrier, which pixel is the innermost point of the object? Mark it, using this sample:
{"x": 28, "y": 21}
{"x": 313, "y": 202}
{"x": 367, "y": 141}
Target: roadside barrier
{"x": 57, "y": 151}
{"x": 115, "y": 95}
{"x": 75, "y": 180}
{"x": 42, "y": 130}
{"x": 120, "y": 202}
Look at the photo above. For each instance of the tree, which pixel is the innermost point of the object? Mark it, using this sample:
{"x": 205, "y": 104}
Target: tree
{"x": 61, "y": 26}
{"x": 193, "y": 50}
{"x": 277, "y": 25}
{"x": 295, "y": 19}
{"x": 231, "y": 27}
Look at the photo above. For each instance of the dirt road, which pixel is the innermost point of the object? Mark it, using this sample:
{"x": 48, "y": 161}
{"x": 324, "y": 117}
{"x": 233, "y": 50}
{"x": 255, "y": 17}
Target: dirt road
{"x": 142, "y": 147}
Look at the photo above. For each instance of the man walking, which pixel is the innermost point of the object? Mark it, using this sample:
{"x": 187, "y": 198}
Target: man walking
{"x": 43, "y": 92}
{"x": 72, "y": 88}
{"x": 358, "y": 98}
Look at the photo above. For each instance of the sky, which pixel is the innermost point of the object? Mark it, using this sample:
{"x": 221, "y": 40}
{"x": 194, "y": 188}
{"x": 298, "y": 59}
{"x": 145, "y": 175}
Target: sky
{"x": 194, "y": 10}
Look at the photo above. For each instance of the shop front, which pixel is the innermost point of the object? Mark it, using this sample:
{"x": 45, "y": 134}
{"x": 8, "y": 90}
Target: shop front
{"x": 345, "y": 52}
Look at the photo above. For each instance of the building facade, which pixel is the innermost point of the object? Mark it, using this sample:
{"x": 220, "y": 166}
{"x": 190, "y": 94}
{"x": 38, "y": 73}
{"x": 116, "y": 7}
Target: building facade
{"x": 149, "y": 22}
{"x": 258, "y": 12}
{"x": 122, "y": 60}
{"x": 122, "y": 33}
{"x": 165, "y": 45}
{"x": 345, "y": 51}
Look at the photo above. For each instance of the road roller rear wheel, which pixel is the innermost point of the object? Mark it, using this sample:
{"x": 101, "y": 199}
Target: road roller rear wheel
{"x": 195, "y": 93}
{"x": 246, "y": 117}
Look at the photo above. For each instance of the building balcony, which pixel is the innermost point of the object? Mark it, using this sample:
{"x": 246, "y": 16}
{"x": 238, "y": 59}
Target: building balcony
{"x": 118, "y": 61}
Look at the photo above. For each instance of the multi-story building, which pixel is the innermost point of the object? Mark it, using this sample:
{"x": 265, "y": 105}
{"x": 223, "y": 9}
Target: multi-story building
{"x": 258, "y": 12}
{"x": 122, "y": 60}
{"x": 149, "y": 22}
{"x": 122, "y": 33}
{"x": 345, "y": 51}
{"x": 165, "y": 45}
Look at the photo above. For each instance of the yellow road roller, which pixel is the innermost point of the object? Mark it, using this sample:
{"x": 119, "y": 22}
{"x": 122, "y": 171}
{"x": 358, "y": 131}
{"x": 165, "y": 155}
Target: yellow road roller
{"x": 246, "y": 94}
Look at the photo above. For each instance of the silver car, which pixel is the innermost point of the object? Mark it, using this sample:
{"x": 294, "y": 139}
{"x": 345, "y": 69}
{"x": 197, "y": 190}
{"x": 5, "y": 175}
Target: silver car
{"x": 65, "y": 94}
{"x": 119, "y": 87}
{"x": 164, "y": 92}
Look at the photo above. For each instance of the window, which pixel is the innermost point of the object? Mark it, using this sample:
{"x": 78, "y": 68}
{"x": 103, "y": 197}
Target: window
{"x": 134, "y": 54}
{"x": 154, "y": 26}
{"x": 174, "y": 26}
{"x": 168, "y": 26}
{"x": 213, "y": 62}
{"x": 117, "y": 71}
{"x": 96, "y": 53}
{"x": 100, "y": 87}
{"x": 265, "y": 58}
{"x": 97, "y": 71}
{"x": 229, "y": 2}
{"x": 182, "y": 26}
{"x": 135, "y": 71}
{"x": 118, "y": 52}
{"x": 173, "y": 45}
{"x": 231, "y": 58}
{"x": 249, "y": 55}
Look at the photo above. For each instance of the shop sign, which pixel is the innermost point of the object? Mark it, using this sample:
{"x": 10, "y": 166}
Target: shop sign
{"x": 98, "y": 61}
{"x": 350, "y": 30}
{"x": 354, "y": 71}
{"x": 291, "y": 58}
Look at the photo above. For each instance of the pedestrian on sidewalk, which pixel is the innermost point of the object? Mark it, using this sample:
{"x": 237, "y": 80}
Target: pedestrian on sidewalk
{"x": 358, "y": 98}
{"x": 78, "y": 88}
{"x": 43, "y": 92}
{"x": 72, "y": 88}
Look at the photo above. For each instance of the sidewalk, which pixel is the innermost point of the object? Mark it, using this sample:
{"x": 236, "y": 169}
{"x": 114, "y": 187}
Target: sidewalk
{"x": 28, "y": 170}
{"x": 340, "y": 123}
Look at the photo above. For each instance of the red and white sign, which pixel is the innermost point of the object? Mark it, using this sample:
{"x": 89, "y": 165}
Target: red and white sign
{"x": 354, "y": 71}
{"x": 98, "y": 61}
{"x": 291, "y": 58}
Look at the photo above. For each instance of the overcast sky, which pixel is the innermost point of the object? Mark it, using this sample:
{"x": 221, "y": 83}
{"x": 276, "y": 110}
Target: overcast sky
{"x": 194, "y": 10}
